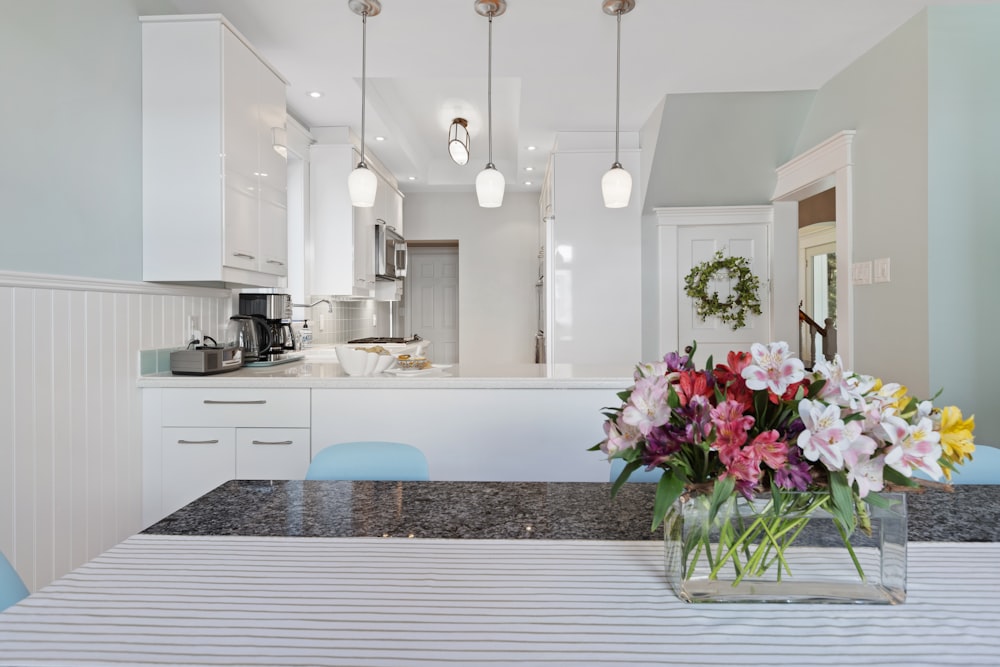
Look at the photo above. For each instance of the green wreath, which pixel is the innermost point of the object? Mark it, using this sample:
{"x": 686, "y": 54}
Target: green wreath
{"x": 743, "y": 294}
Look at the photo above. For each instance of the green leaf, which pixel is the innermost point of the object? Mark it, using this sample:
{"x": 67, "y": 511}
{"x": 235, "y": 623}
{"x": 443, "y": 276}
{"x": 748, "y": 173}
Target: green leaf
{"x": 668, "y": 489}
{"x": 843, "y": 501}
{"x": 708, "y": 363}
{"x": 815, "y": 387}
{"x": 722, "y": 490}
{"x": 629, "y": 468}
{"x": 893, "y": 476}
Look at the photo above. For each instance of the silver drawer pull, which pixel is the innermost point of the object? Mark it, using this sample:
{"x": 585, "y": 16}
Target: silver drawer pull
{"x": 210, "y": 402}
{"x": 245, "y": 255}
{"x": 274, "y": 261}
{"x": 267, "y": 442}
{"x": 197, "y": 442}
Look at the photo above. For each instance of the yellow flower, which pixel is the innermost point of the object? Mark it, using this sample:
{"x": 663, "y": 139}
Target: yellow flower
{"x": 956, "y": 436}
{"x": 893, "y": 394}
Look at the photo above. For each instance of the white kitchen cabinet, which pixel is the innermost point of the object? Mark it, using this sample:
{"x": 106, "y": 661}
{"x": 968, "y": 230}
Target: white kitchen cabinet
{"x": 343, "y": 235}
{"x": 214, "y": 189}
{"x": 389, "y": 205}
{"x": 196, "y": 439}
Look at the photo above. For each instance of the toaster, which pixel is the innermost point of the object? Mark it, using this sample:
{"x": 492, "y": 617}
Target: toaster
{"x": 205, "y": 360}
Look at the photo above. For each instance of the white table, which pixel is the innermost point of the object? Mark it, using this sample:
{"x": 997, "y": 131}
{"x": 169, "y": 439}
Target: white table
{"x": 180, "y": 600}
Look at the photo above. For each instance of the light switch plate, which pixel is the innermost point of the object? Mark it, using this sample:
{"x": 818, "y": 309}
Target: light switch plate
{"x": 861, "y": 273}
{"x": 882, "y": 270}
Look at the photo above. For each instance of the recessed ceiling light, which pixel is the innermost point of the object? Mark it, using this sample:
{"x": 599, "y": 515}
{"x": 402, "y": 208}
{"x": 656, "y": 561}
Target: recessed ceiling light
{"x": 315, "y": 93}
{"x": 412, "y": 178}
{"x": 379, "y": 138}
{"x": 529, "y": 168}
{"x": 527, "y": 182}
{"x": 531, "y": 148}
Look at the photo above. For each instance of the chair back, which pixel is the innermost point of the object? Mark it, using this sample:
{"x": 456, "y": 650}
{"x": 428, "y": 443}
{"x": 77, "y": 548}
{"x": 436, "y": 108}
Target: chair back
{"x": 370, "y": 460}
{"x": 984, "y": 468}
{"x": 12, "y": 589}
{"x": 639, "y": 475}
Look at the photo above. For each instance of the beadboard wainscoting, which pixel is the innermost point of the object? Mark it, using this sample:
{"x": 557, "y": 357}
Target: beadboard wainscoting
{"x": 70, "y": 414}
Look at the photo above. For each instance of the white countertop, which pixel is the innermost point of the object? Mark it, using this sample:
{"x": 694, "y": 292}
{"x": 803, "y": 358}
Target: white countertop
{"x": 320, "y": 369}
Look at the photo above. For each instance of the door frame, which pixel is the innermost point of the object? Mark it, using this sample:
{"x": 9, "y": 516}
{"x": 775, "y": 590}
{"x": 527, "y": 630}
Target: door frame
{"x": 826, "y": 165}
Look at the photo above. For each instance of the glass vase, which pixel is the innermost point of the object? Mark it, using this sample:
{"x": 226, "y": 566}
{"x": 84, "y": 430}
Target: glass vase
{"x": 790, "y": 551}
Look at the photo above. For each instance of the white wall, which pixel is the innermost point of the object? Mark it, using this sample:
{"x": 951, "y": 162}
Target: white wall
{"x": 497, "y": 268}
{"x": 70, "y": 436}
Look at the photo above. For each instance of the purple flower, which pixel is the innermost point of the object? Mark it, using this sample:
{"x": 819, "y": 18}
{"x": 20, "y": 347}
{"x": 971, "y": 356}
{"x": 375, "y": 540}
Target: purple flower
{"x": 675, "y": 362}
{"x": 662, "y": 443}
{"x": 795, "y": 475}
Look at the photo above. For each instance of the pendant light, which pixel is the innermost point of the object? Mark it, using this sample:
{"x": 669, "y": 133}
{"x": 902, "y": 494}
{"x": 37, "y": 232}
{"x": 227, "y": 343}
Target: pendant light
{"x": 362, "y": 183}
{"x": 616, "y": 185}
{"x": 490, "y": 182}
{"x": 458, "y": 141}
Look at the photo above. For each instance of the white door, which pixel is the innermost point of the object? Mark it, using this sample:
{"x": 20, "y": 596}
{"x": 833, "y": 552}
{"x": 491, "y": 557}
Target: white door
{"x": 697, "y": 244}
{"x": 432, "y": 292}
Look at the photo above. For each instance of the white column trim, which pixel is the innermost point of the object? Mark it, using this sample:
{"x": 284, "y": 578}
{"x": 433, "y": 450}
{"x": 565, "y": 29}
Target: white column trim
{"x": 57, "y": 282}
{"x": 713, "y": 215}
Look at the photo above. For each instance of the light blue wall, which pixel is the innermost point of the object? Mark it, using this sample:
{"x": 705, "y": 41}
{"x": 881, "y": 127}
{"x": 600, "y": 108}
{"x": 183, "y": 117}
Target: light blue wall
{"x": 70, "y": 182}
{"x": 719, "y": 149}
{"x": 883, "y": 96}
{"x": 964, "y": 210}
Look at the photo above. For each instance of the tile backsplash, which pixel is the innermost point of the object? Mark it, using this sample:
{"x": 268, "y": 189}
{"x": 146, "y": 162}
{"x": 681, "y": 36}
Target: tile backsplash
{"x": 349, "y": 320}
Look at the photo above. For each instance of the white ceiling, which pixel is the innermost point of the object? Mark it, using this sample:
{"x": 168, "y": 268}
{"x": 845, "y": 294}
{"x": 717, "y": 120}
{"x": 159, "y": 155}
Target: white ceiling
{"x": 553, "y": 66}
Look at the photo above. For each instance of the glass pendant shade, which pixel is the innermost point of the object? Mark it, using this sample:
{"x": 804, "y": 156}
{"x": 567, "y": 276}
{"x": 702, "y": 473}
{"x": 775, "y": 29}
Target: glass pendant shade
{"x": 458, "y": 141}
{"x": 362, "y": 185}
{"x": 489, "y": 187}
{"x": 616, "y": 186}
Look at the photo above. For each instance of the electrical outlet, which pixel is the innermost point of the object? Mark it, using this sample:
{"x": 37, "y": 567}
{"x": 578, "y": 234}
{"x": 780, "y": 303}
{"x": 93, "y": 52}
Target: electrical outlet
{"x": 882, "y": 270}
{"x": 861, "y": 273}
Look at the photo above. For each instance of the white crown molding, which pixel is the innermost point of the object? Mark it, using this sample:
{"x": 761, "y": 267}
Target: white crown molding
{"x": 713, "y": 215}
{"x": 49, "y": 281}
{"x": 814, "y": 165}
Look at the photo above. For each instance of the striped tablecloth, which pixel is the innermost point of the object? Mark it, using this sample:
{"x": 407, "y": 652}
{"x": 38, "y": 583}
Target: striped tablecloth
{"x": 171, "y": 600}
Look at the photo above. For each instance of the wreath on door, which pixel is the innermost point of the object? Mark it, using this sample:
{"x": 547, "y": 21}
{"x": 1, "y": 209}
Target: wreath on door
{"x": 743, "y": 285}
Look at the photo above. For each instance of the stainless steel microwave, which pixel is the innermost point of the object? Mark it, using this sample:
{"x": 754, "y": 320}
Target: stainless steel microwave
{"x": 390, "y": 253}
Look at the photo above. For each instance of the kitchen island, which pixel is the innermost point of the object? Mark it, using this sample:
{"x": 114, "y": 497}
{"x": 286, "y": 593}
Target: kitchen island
{"x": 474, "y": 422}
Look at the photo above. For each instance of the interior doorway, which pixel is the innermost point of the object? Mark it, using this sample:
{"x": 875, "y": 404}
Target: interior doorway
{"x": 431, "y": 294}
{"x": 817, "y": 291}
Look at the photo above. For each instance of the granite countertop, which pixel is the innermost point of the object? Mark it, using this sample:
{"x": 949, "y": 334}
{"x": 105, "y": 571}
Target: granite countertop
{"x": 503, "y": 510}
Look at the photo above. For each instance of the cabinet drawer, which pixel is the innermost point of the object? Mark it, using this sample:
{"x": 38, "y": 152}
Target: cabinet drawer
{"x": 236, "y": 407}
{"x": 195, "y": 461}
{"x": 272, "y": 453}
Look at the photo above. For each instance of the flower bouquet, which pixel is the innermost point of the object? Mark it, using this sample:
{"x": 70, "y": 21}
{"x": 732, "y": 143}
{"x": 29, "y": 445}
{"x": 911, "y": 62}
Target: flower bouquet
{"x": 757, "y": 454}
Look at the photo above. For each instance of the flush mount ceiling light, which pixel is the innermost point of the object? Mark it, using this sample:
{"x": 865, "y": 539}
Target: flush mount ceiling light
{"x": 458, "y": 141}
{"x": 490, "y": 182}
{"x": 362, "y": 183}
{"x": 616, "y": 185}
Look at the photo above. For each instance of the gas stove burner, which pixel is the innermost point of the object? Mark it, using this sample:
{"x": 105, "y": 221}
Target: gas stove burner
{"x": 385, "y": 339}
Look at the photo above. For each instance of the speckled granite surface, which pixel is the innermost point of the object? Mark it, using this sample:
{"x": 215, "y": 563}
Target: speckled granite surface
{"x": 508, "y": 510}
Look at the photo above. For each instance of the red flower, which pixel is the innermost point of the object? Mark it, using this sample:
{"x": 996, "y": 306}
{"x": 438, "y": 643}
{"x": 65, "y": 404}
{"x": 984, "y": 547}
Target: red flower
{"x": 692, "y": 383}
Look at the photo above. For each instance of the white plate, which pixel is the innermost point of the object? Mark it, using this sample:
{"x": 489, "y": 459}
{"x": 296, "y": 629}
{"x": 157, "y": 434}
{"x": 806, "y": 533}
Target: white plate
{"x": 435, "y": 368}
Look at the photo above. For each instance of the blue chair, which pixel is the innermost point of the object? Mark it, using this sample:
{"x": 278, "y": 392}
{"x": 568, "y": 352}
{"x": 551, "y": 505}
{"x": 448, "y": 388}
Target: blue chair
{"x": 639, "y": 475}
{"x": 12, "y": 589}
{"x": 384, "y": 461}
{"x": 984, "y": 468}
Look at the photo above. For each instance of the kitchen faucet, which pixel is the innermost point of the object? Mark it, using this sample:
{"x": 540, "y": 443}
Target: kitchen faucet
{"x": 328, "y": 303}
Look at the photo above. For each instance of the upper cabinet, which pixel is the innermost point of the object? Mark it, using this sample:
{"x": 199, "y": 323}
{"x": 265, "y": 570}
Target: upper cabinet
{"x": 214, "y": 187}
{"x": 343, "y": 236}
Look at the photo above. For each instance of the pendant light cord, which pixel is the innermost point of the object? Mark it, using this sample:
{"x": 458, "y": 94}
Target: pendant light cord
{"x": 364, "y": 55}
{"x": 618, "y": 86}
{"x": 489, "y": 94}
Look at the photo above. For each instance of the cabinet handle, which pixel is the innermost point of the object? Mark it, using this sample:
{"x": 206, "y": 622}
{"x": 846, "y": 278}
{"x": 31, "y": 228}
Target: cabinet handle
{"x": 243, "y": 254}
{"x": 211, "y": 402}
{"x": 274, "y": 261}
{"x": 266, "y": 442}
{"x": 197, "y": 442}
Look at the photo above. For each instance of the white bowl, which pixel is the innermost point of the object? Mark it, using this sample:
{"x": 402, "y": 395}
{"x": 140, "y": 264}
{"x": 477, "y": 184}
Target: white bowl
{"x": 361, "y": 362}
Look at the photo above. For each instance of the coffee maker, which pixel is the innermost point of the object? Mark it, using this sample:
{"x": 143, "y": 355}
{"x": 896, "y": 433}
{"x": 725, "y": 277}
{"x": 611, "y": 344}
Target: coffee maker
{"x": 276, "y": 311}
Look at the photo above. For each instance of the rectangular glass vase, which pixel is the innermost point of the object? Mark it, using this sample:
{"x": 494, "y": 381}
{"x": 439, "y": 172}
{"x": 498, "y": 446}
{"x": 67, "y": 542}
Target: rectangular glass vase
{"x": 753, "y": 551}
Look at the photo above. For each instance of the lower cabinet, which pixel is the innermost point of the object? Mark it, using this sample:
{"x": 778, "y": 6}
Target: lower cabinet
{"x": 196, "y": 439}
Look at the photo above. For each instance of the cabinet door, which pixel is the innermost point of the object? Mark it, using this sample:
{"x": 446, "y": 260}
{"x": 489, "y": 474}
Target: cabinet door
{"x": 240, "y": 124}
{"x": 331, "y": 219}
{"x": 272, "y": 453}
{"x": 273, "y": 177}
{"x": 195, "y": 461}
{"x": 364, "y": 251}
